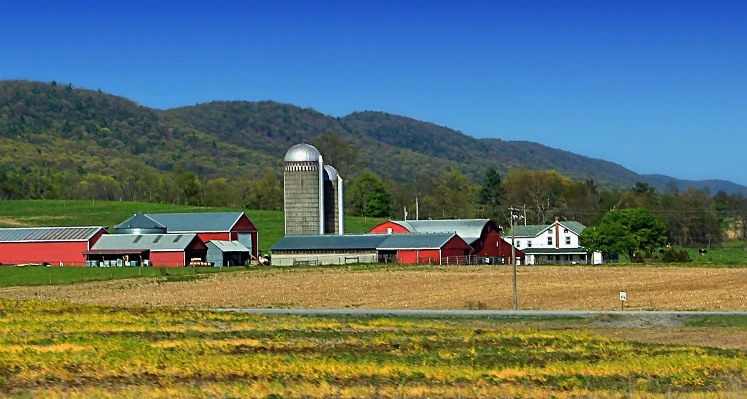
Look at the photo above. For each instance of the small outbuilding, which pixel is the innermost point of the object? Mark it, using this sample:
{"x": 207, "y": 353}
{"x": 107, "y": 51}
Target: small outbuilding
{"x": 171, "y": 250}
{"x": 227, "y": 253}
{"x": 57, "y": 246}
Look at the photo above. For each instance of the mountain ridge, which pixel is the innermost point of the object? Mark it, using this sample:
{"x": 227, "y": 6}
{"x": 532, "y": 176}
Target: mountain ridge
{"x": 243, "y": 138}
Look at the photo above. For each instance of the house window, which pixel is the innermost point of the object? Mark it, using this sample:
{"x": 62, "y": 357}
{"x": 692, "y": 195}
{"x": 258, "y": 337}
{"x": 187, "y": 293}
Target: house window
{"x": 549, "y": 240}
{"x": 566, "y": 257}
{"x": 565, "y": 230}
{"x": 549, "y": 231}
{"x": 518, "y": 244}
{"x": 529, "y": 244}
{"x": 568, "y": 240}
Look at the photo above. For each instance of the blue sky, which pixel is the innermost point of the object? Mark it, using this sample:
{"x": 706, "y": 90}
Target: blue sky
{"x": 658, "y": 87}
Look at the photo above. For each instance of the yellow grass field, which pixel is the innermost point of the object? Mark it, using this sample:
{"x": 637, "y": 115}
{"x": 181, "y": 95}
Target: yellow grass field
{"x": 543, "y": 288}
{"x": 61, "y": 350}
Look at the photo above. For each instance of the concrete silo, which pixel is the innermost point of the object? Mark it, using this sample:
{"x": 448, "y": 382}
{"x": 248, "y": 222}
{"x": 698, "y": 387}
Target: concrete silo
{"x": 303, "y": 189}
{"x": 334, "y": 220}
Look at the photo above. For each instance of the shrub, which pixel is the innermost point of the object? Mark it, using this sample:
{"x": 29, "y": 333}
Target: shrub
{"x": 672, "y": 255}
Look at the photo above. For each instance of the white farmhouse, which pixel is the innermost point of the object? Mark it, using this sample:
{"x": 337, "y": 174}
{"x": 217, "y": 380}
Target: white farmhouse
{"x": 556, "y": 243}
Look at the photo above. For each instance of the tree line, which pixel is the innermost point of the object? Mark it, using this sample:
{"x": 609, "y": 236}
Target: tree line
{"x": 691, "y": 217}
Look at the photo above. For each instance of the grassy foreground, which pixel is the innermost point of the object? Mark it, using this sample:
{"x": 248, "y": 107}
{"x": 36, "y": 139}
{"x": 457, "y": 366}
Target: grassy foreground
{"x": 31, "y": 213}
{"x": 40, "y": 275}
{"x": 56, "y": 350}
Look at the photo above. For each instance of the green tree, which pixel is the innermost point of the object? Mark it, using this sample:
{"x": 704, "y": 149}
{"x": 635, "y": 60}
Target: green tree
{"x": 368, "y": 196}
{"x": 338, "y": 153}
{"x": 491, "y": 191}
{"x": 609, "y": 239}
{"x": 267, "y": 193}
{"x": 648, "y": 232}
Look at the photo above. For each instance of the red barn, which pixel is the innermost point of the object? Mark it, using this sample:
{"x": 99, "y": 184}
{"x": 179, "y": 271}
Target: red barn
{"x": 425, "y": 248}
{"x": 483, "y": 235}
{"x": 222, "y": 226}
{"x": 53, "y": 245}
{"x": 172, "y": 250}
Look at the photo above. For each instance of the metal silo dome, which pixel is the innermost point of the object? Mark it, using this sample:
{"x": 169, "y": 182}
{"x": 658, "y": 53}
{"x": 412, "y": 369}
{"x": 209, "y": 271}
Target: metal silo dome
{"x": 302, "y": 153}
{"x": 330, "y": 173}
{"x": 140, "y": 224}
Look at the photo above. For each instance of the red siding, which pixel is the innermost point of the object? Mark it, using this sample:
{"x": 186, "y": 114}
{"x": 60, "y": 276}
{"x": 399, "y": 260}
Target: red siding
{"x": 412, "y": 256}
{"x": 494, "y": 246}
{"x": 456, "y": 247}
{"x": 171, "y": 259}
{"x": 96, "y": 237}
{"x": 205, "y": 237}
{"x": 383, "y": 228}
{"x": 69, "y": 253}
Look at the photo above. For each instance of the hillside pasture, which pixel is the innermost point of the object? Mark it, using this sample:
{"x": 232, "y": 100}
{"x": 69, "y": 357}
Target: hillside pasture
{"x": 34, "y": 213}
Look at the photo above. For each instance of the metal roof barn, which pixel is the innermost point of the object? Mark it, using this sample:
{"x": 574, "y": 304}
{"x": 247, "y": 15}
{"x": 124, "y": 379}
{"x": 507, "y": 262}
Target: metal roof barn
{"x": 224, "y": 226}
{"x": 52, "y": 245}
{"x": 368, "y": 248}
{"x": 159, "y": 249}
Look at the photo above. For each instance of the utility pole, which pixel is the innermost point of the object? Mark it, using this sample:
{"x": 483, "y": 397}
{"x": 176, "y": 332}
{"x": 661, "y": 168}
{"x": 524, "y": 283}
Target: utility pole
{"x": 514, "y": 217}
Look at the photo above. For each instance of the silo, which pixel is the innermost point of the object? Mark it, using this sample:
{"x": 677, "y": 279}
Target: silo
{"x": 303, "y": 192}
{"x": 333, "y": 202}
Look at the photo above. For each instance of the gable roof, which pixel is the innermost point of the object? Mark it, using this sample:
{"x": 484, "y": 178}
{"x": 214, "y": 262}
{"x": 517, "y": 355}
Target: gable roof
{"x": 208, "y": 222}
{"x": 530, "y": 230}
{"x": 227, "y": 246}
{"x": 573, "y": 226}
{"x": 370, "y": 242}
{"x": 416, "y": 241}
{"x": 35, "y": 234}
{"x": 468, "y": 229}
{"x": 533, "y": 230}
{"x": 152, "y": 242}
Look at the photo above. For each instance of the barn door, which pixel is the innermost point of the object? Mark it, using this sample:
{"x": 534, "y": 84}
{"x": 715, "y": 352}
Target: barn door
{"x": 245, "y": 239}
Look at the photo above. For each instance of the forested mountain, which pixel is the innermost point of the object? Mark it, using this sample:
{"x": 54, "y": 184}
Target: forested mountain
{"x": 59, "y": 139}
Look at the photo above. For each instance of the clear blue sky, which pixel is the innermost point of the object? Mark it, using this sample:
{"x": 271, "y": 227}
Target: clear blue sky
{"x": 659, "y": 87}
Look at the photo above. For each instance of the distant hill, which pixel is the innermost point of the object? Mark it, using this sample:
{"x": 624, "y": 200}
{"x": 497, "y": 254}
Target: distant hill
{"x": 661, "y": 182}
{"x": 55, "y": 128}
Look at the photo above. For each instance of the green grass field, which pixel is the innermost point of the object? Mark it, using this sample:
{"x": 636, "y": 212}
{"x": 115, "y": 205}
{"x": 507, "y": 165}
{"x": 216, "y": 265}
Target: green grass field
{"x": 40, "y": 275}
{"x": 32, "y": 213}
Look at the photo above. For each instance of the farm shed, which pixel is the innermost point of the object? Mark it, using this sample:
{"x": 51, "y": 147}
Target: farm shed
{"x": 424, "y": 248}
{"x": 223, "y": 226}
{"x": 227, "y": 253}
{"x": 315, "y": 249}
{"x": 157, "y": 249}
{"x": 483, "y": 235}
{"x": 53, "y": 245}
{"x": 368, "y": 248}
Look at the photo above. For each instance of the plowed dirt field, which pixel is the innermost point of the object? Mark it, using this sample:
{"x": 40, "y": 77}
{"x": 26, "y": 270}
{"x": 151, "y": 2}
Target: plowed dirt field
{"x": 545, "y": 288}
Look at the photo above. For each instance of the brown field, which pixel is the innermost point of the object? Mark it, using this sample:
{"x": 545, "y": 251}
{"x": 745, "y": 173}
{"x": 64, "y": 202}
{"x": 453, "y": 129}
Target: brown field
{"x": 545, "y": 288}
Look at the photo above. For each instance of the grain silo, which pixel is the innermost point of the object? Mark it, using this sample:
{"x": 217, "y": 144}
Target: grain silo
{"x": 303, "y": 189}
{"x": 333, "y": 202}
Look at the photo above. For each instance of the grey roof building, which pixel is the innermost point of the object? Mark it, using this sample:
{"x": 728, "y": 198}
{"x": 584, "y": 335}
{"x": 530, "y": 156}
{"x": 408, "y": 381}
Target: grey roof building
{"x": 37, "y": 234}
{"x": 369, "y": 248}
{"x": 469, "y": 229}
{"x": 226, "y": 226}
{"x": 144, "y": 242}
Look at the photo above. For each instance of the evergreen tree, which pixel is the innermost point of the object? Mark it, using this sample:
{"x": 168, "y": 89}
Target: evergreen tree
{"x": 491, "y": 190}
